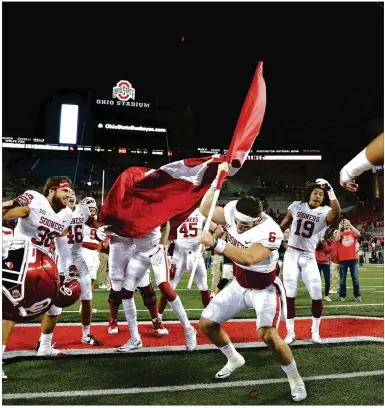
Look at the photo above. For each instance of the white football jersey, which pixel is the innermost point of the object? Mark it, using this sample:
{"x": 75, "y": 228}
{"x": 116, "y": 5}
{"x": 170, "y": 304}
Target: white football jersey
{"x": 308, "y": 226}
{"x": 89, "y": 238}
{"x": 267, "y": 233}
{"x": 148, "y": 241}
{"x": 188, "y": 231}
{"x": 75, "y": 235}
{"x": 42, "y": 225}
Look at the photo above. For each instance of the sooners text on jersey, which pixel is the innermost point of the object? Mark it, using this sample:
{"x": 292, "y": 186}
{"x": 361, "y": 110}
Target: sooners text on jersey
{"x": 267, "y": 233}
{"x": 308, "y": 226}
{"x": 188, "y": 231}
{"x": 42, "y": 225}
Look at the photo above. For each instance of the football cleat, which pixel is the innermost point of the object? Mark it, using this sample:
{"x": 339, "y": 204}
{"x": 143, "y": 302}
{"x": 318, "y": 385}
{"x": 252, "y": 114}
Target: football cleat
{"x": 103, "y": 286}
{"x": 191, "y": 338}
{"x": 113, "y": 327}
{"x": 358, "y": 299}
{"x": 5, "y": 378}
{"x": 290, "y": 338}
{"x": 315, "y": 337}
{"x": 49, "y": 351}
{"x": 230, "y": 367}
{"x": 159, "y": 328}
{"x": 132, "y": 344}
{"x": 341, "y": 299}
{"x": 298, "y": 391}
{"x": 89, "y": 339}
{"x": 332, "y": 291}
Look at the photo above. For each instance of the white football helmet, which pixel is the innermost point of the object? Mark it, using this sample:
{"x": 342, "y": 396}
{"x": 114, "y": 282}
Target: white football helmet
{"x": 89, "y": 202}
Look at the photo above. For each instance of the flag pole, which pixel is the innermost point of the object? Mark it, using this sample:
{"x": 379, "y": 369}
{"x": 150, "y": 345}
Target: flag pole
{"x": 217, "y": 191}
{"x": 103, "y": 187}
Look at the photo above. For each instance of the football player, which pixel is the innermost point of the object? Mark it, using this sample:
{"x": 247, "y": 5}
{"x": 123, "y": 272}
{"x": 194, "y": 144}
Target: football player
{"x": 75, "y": 235}
{"x": 91, "y": 244}
{"x": 253, "y": 239}
{"x": 129, "y": 260}
{"x": 42, "y": 219}
{"x": 309, "y": 220}
{"x": 371, "y": 156}
{"x": 187, "y": 251}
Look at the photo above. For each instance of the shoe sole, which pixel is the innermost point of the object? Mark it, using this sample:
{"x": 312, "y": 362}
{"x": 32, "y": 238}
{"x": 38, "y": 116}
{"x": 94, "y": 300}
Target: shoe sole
{"x": 298, "y": 399}
{"x": 60, "y": 355}
{"x": 128, "y": 350}
{"x": 228, "y": 375}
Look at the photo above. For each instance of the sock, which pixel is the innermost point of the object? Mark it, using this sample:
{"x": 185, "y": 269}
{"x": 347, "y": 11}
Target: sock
{"x": 4, "y": 346}
{"x": 46, "y": 340}
{"x": 290, "y": 326}
{"x": 130, "y": 312}
{"x": 229, "y": 351}
{"x": 162, "y": 304}
{"x": 153, "y": 309}
{"x": 177, "y": 307}
{"x": 291, "y": 372}
{"x": 205, "y": 296}
{"x": 86, "y": 329}
{"x": 316, "y": 307}
{"x": 114, "y": 311}
{"x": 315, "y": 324}
{"x": 160, "y": 315}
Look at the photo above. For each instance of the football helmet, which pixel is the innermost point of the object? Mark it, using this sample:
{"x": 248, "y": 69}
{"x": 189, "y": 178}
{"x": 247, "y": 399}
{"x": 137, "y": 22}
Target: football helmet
{"x": 89, "y": 202}
{"x": 69, "y": 291}
{"x": 30, "y": 281}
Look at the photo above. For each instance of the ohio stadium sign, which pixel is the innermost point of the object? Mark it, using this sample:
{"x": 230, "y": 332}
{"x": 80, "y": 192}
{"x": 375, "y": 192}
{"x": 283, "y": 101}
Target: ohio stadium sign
{"x": 123, "y": 92}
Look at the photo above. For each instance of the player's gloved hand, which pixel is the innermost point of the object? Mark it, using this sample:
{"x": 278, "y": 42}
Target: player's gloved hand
{"x": 159, "y": 255}
{"x": 101, "y": 233}
{"x": 327, "y": 187}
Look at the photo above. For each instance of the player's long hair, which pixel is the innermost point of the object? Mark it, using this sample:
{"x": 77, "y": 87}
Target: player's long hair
{"x": 54, "y": 181}
{"x": 309, "y": 189}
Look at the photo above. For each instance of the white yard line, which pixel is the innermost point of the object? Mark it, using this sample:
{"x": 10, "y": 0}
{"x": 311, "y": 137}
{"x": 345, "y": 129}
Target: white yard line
{"x": 196, "y": 321}
{"x": 185, "y": 387}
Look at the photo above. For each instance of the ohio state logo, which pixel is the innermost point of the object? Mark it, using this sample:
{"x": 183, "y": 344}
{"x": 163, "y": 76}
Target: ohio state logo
{"x": 123, "y": 91}
{"x": 347, "y": 241}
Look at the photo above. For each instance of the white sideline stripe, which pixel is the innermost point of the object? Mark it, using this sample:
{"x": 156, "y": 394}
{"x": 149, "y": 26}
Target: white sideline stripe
{"x": 197, "y": 310}
{"x": 196, "y": 321}
{"x": 93, "y": 351}
{"x": 186, "y": 387}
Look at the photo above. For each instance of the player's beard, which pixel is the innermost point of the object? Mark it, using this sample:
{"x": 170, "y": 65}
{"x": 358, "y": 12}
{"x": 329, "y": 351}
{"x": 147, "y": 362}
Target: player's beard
{"x": 57, "y": 203}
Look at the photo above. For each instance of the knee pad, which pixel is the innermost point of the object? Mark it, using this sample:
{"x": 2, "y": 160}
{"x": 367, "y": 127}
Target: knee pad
{"x": 148, "y": 295}
{"x": 54, "y": 311}
{"x": 116, "y": 285}
{"x": 222, "y": 283}
{"x": 126, "y": 294}
{"x": 291, "y": 287}
{"x": 315, "y": 290}
{"x": 85, "y": 287}
{"x": 115, "y": 297}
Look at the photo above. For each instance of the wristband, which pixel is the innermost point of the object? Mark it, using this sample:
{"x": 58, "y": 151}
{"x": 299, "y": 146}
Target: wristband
{"x": 220, "y": 246}
{"x": 358, "y": 165}
{"x": 331, "y": 195}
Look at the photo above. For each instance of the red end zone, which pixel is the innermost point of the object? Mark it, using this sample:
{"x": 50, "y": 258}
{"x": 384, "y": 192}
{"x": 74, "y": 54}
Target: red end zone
{"x": 68, "y": 336}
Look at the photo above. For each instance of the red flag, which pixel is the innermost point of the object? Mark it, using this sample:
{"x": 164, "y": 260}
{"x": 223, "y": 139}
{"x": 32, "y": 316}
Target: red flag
{"x": 250, "y": 120}
{"x": 141, "y": 199}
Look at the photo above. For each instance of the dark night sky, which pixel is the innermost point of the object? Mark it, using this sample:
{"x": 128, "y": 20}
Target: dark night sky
{"x": 323, "y": 63}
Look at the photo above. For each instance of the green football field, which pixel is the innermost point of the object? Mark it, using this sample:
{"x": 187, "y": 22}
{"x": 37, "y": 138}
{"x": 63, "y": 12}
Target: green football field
{"x": 345, "y": 373}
